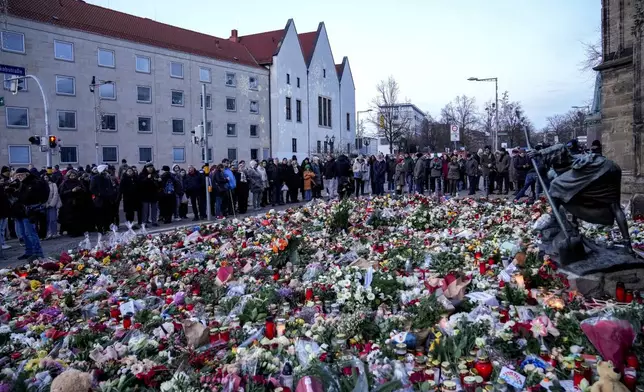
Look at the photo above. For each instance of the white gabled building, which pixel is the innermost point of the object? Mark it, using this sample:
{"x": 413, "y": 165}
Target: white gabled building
{"x": 312, "y": 99}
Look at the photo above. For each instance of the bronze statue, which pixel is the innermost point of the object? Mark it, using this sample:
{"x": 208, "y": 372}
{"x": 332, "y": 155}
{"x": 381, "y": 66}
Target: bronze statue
{"x": 588, "y": 185}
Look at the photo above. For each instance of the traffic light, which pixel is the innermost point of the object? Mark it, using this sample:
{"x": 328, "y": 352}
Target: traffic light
{"x": 53, "y": 141}
{"x": 16, "y": 84}
{"x": 35, "y": 140}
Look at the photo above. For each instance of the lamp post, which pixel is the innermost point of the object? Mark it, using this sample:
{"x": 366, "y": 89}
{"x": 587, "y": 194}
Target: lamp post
{"x": 366, "y": 143}
{"x": 359, "y": 125}
{"x": 495, "y": 139}
{"x": 581, "y": 118}
{"x": 92, "y": 88}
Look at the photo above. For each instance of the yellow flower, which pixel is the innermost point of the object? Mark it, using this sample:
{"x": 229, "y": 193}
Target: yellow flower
{"x": 35, "y": 285}
{"x": 106, "y": 260}
{"x": 175, "y": 275}
{"x": 81, "y": 266}
{"x": 138, "y": 268}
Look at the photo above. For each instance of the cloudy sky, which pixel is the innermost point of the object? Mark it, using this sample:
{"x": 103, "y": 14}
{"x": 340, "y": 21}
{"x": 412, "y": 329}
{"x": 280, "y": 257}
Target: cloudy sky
{"x": 431, "y": 47}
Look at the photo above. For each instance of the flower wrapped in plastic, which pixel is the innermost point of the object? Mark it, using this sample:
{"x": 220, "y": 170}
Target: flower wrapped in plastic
{"x": 612, "y": 337}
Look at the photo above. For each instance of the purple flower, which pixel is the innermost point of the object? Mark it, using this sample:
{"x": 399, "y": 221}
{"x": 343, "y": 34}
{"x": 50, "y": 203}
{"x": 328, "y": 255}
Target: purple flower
{"x": 4, "y": 387}
{"x": 285, "y": 292}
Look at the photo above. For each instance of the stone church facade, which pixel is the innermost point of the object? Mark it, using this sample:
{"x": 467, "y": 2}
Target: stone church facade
{"x": 621, "y": 89}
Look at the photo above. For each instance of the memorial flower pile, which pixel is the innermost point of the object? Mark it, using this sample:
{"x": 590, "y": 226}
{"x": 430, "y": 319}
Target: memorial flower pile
{"x": 380, "y": 294}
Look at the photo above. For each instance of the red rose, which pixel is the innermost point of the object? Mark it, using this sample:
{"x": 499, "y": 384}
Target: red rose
{"x": 15, "y": 355}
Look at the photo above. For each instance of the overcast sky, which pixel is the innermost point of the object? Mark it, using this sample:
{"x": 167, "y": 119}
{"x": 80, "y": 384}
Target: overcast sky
{"x": 431, "y": 47}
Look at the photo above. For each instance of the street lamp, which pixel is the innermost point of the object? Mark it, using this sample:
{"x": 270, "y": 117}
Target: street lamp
{"x": 359, "y": 126}
{"x": 495, "y": 139}
{"x": 92, "y": 88}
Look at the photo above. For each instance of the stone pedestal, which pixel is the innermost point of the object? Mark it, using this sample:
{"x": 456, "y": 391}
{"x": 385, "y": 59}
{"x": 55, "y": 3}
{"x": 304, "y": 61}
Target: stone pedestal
{"x": 602, "y": 284}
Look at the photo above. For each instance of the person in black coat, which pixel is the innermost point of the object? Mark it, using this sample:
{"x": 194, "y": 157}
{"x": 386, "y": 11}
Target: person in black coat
{"x": 104, "y": 194}
{"x": 283, "y": 172}
{"x": 168, "y": 187}
{"x": 194, "y": 185}
{"x": 243, "y": 187}
{"x": 129, "y": 192}
{"x": 76, "y": 205}
{"x": 221, "y": 187}
{"x": 149, "y": 188}
{"x": 274, "y": 185}
{"x": 294, "y": 178}
{"x": 330, "y": 174}
{"x": 5, "y": 213}
{"x": 521, "y": 166}
{"x": 343, "y": 173}
{"x": 391, "y": 171}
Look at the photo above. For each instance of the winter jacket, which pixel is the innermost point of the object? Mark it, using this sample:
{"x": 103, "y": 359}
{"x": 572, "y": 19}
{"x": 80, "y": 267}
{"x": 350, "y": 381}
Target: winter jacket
{"x": 368, "y": 172}
{"x": 343, "y": 166}
{"x": 330, "y": 171}
{"x": 32, "y": 192}
{"x": 255, "y": 183}
{"x": 379, "y": 171}
{"x": 54, "y": 198}
{"x": 272, "y": 173}
{"x": 263, "y": 175}
{"x": 522, "y": 166}
{"x": 453, "y": 172}
{"x": 149, "y": 186}
{"x": 5, "y": 205}
{"x": 193, "y": 183}
{"x": 56, "y": 178}
{"x": 400, "y": 176}
{"x": 232, "y": 182}
{"x": 503, "y": 165}
{"x": 471, "y": 167}
{"x": 487, "y": 163}
{"x": 309, "y": 177}
{"x": 409, "y": 165}
{"x": 102, "y": 190}
{"x": 391, "y": 169}
{"x": 315, "y": 167}
{"x": 419, "y": 169}
{"x": 220, "y": 183}
{"x": 129, "y": 189}
{"x": 436, "y": 166}
{"x": 359, "y": 168}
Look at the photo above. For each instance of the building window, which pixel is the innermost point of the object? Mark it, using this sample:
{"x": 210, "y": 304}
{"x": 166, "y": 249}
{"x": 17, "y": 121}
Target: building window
{"x": 107, "y": 91}
{"x": 177, "y": 125}
{"x": 204, "y": 75}
{"x": 7, "y": 83}
{"x": 326, "y": 147}
{"x": 19, "y": 155}
{"x": 65, "y": 85}
{"x": 319, "y": 147}
{"x": 108, "y": 122}
{"x": 288, "y": 108}
{"x": 203, "y": 158}
{"x": 298, "y": 82}
{"x": 66, "y": 119}
{"x": 142, "y": 64}
{"x": 254, "y": 107}
{"x": 348, "y": 121}
{"x": 288, "y": 78}
{"x": 17, "y": 117}
{"x": 13, "y": 41}
{"x": 110, "y": 154}
{"x": 348, "y": 148}
{"x": 145, "y": 124}
{"x": 231, "y": 129}
{"x": 177, "y": 98}
{"x": 252, "y": 83}
{"x": 230, "y": 79}
{"x": 298, "y": 111}
{"x": 253, "y": 131}
{"x": 178, "y": 154}
{"x": 106, "y": 58}
{"x": 209, "y": 128}
{"x": 231, "y": 104}
{"x": 208, "y": 101}
{"x": 144, "y": 94}
{"x": 176, "y": 70}
{"x": 331, "y": 147}
{"x": 324, "y": 73}
{"x": 232, "y": 154}
{"x": 253, "y": 153}
{"x": 68, "y": 154}
{"x": 63, "y": 50}
{"x": 145, "y": 154}
{"x": 324, "y": 112}
{"x": 294, "y": 144}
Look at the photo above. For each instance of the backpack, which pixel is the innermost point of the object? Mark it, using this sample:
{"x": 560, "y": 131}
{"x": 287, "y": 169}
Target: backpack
{"x": 169, "y": 187}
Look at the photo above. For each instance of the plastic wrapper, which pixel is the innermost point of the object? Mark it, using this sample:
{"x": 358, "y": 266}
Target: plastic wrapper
{"x": 85, "y": 244}
{"x": 236, "y": 289}
{"x": 238, "y": 309}
{"x": 192, "y": 237}
{"x": 348, "y": 258}
{"x": 544, "y": 221}
{"x": 612, "y": 337}
{"x": 306, "y": 349}
{"x": 312, "y": 271}
{"x": 99, "y": 243}
{"x": 130, "y": 234}
{"x": 143, "y": 230}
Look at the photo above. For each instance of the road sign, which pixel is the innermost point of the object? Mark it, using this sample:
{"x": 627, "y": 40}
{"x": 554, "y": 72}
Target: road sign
{"x": 11, "y": 70}
{"x": 454, "y": 135}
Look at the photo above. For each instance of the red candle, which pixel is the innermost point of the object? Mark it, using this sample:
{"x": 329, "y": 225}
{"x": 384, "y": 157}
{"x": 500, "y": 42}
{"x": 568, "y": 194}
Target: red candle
{"x": 276, "y": 276}
{"x": 620, "y": 292}
{"x": 628, "y": 297}
{"x": 482, "y": 268}
{"x": 501, "y": 284}
{"x": 127, "y": 321}
{"x": 115, "y": 312}
{"x": 214, "y": 335}
{"x": 308, "y": 293}
{"x": 630, "y": 379}
{"x": 505, "y": 315}
{"x": 270, "y": 328}
{"x": 632, "y": 362}
{"x": 490, "y": 261}
{"x": 224, "y": 334}
{"x": 577, "y": 377}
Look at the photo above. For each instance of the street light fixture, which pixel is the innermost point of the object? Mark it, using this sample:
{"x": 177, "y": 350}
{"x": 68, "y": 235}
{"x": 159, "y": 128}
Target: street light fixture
{"x": 495, "y": 139}
{"x": 92, "y": 88}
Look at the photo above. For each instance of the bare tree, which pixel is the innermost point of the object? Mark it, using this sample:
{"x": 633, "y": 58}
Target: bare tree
{"x": 462, "y": 111}
{"x": 592, "y": 53}
{"x": 566, "y": 126}
{"x": 391, "y": 125}
{"x": 512, "y": 121}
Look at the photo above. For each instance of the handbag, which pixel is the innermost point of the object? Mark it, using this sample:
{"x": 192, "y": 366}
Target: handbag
{"x": 184, "y": 199}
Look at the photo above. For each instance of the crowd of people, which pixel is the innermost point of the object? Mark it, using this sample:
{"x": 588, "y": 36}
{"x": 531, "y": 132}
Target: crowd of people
{"x": 44, "y": 204}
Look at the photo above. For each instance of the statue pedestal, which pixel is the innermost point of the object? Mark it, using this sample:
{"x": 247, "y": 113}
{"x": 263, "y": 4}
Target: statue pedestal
{"x": 602, "y": 284}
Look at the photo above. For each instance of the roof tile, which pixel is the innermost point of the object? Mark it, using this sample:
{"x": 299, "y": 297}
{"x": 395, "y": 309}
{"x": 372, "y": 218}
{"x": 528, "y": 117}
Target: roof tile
{"x": 263, "y": 46}
{"x": 78, "y": 15}
{"x": 307, "y": 41}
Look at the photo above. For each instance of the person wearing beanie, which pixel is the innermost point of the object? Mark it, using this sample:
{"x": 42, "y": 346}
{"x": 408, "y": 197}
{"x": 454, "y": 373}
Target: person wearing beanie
{"x": 149, "y": 189}
{"x": 104, "y": 194}
{"x": 168, "y": 196}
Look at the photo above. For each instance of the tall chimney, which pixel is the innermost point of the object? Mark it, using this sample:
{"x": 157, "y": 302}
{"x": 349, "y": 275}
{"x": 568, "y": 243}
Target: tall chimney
{"x": 234, "y": 35}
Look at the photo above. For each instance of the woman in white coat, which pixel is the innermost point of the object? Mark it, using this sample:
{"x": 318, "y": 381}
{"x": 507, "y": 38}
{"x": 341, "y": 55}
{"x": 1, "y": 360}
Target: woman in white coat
{"x": 51, "y": 208}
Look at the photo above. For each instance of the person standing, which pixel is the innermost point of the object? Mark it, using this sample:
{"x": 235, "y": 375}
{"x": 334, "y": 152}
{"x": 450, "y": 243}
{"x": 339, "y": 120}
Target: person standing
{"x": 255, "y": 184}
{"x": 104, "y": 197}
{"x": 419, "y": 173}
{"x": 123, "y": 168}
{"x": 129, "y": 192}
{"x": 76, "y": 205}
{"x": 487, "y": 165}
{"x": 243, "y": 187}
{"x": 453, "y": 175}
{"x": 52, "y": 205}
{"x": 368, "y": 175}
{"x": 229, "y": 200}
{"x": 179, "y": 193}
{"x": 379, "y": 174}
{"x": 409, "y": 170}
{"x": 358, "y": 169}
{"x": 168, "y": 198}
{"x": 400, "y": 176}
{"x": 194, "y": 185}
{"x": 330, "y": 176}
{"x": 274, "y": 183}
{"x": 294, "y": 179}
{"x": 30, "y": 195}
{"x": 521, "y": 167}
{"x": 502, "y": 171}
{"x": 317, "y": 168}
{"x": 5, "y": 212}
{"x": 149, "y": 189}
{"x": 309, "y": 182}
{"x": 435, "y": 173}
{"x": 261, "y": 169}
{"x": 471, "y": 169}
{"x": 221, "y": 186}
{"x": 391, "y": 172}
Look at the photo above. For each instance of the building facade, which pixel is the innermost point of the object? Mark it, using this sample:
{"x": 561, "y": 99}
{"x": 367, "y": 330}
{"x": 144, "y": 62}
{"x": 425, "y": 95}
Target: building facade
{"x": 147, "y": 96}
{"x": 406, "y": 113}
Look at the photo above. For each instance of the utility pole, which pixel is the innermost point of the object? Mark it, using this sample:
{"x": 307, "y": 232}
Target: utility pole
{"x": 204, "y": 119}
{"x": 15, "y": 83}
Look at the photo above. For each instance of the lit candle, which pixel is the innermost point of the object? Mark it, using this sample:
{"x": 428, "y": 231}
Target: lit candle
{"x": 281, "y": 326}
{"x": 270, "y": 328}
{"x": 620, "y": 292}
{"x": 518, "y": 278}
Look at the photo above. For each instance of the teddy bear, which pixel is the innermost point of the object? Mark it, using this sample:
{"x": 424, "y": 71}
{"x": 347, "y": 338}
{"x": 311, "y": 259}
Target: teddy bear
{"x": 608, "y": 379}
{"x": 72, "y": 380}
